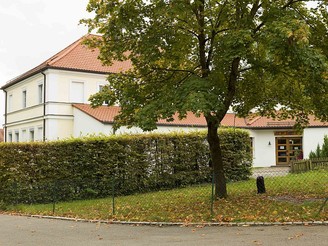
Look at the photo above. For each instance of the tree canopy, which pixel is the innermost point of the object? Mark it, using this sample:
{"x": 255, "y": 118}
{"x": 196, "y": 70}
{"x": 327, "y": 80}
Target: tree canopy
{"x": 206, "y": 56}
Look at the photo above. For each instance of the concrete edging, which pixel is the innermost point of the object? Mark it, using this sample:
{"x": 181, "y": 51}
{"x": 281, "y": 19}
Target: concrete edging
{"x": 144, "y": 223}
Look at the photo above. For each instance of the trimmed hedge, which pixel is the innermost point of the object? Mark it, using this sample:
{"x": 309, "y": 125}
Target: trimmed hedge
{"x": 91, "y": 167}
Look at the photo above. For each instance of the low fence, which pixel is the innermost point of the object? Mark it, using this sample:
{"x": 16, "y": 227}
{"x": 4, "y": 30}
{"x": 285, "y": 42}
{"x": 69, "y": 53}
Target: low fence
{"x": 282, "y": 196}
{"x": 309, "y": 164}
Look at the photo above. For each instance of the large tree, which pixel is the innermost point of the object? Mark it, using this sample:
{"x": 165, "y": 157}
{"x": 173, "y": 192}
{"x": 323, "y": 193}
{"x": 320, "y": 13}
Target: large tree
{"x": 206, "y": 56}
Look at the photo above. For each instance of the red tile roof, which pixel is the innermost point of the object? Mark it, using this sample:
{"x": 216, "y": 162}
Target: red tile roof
{"x": 76, "y": 57}
{"x": 106, "y": 114}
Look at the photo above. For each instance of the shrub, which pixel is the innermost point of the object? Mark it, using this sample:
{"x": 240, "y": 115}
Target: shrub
{"x": 89, "y": 167}
{"x": 320, "y": 152}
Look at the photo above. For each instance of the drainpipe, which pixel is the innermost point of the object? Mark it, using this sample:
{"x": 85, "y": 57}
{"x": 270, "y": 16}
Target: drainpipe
{"x": 5, "y": 126}
{"x": 44, "y": 106}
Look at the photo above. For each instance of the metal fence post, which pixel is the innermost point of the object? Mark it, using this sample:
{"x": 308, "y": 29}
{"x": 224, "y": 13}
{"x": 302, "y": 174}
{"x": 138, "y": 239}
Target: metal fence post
{"x": 54, "y": 197}
{"x": 113, "y": 195}
{"x": 212, "y": 195}
{"x": 322, "y": 206}
{"x": 16, "y": 193}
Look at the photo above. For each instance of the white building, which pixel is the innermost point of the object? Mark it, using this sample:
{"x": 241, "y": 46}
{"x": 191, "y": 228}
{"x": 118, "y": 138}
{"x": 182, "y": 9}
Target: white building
{"x": 39, "y": 102}
{"x": 50, "y": 102}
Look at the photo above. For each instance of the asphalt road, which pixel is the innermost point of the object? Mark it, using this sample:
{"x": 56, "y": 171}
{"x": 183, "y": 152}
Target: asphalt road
{"x": 16, "y": 230}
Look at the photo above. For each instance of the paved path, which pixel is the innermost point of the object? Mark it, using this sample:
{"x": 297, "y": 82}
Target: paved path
{"x": 15, "y": 230}
{"x": 271, "y": 171}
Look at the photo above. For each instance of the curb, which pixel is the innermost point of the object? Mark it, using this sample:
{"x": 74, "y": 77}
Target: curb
{"x": 181, "y": 224}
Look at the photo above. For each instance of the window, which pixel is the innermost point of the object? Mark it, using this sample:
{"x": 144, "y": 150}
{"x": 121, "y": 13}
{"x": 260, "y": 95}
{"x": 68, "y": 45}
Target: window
{"x": 77, "y": 92}
{"x": 31, "y": 135}
{"x": 100, "y": 88}
{"x": 17, "y": 136}
{"x": 10, "y": 137}
{"x": 24, "y": 137}
{"x": 40, "y": 93}
{"x": 24, "y": 98}
{"x": 10, "y": 102}
{"x": 40, "y": 133}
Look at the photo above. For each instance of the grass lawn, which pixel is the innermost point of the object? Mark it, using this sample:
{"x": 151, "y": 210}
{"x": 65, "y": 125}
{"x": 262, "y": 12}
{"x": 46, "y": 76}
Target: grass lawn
{"x": 295, "y": 197}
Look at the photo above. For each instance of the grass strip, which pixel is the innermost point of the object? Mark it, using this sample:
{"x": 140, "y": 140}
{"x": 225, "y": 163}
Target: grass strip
{"x": 295, "y": 197}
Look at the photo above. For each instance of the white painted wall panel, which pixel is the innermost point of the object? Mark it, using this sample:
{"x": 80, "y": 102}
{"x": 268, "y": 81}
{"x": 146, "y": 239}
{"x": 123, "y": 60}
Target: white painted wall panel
{"x": 311, "y": 138}
{"x": 263, "y": 152}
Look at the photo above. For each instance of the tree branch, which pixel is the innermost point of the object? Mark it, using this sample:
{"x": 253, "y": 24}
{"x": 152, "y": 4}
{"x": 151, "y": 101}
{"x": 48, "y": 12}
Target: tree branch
{"x": 231, "y": 90}
{"x": 258, "y": 27}
{"x": 186, "y": 29}
{"x": 174, "y": 70}
{"x": 245, "y": 69}
{"x": 217, "y": 22}
{"x": 291, "y": 2}
{"x": 255, "y": 8}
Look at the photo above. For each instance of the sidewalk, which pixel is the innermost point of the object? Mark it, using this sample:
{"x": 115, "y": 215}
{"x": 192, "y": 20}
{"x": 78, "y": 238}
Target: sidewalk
{"x": 270, "y": 171}
{"x": 16, "y": 230}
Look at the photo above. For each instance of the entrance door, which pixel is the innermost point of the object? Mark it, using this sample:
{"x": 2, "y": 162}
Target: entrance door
{"x": 287, "y": 149}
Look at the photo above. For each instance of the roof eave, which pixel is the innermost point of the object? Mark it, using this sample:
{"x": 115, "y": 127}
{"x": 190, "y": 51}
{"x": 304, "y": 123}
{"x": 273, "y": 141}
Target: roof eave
{"x": 21, "y": 78}
{"x": 181, "y": 125}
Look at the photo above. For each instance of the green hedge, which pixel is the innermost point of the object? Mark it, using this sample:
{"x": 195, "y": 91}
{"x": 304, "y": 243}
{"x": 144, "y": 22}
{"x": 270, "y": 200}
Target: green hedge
{"x": 91, "y": 167}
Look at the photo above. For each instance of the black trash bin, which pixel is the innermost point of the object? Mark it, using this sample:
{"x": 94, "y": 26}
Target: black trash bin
{"x": 260, "y": 185}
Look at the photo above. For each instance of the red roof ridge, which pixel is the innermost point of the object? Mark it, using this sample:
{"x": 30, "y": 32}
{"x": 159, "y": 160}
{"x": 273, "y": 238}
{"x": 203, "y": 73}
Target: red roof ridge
{"x": 58, "y": 61}
{"x": 61, "y": 54}
{"x": 252, "y": 121}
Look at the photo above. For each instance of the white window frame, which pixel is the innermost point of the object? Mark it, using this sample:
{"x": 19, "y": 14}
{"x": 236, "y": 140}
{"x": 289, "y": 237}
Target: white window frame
{"x": 31, "y": 135}
{"x": 24, "y": 98}
{"x": 16, "y": 136}
{"x": 10, "y": 102}
{"x": 10, "y": 137}
{"x": 24, "y": 135}
{"x": 40, "y": 93}
{"x": 73, "y": 100}
{"x": 100, "y": 85}
{"x": 39, "y": 133}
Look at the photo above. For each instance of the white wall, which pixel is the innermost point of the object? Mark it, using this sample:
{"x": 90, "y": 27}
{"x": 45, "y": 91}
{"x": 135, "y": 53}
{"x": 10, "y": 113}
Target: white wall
{"x": 311, "y": 138}
{"x": 27, "y": 126}
{"x": 59, "y": 111}
{"x": 59, "y": 128}
{"x": 60, "y": 84}
{"x": 263, "y": 153}
{"x": 24, "y": 120}
{"x": 86, "y": 125}
{"x": 160, "y": 129}
{"x": 31, "y": 87}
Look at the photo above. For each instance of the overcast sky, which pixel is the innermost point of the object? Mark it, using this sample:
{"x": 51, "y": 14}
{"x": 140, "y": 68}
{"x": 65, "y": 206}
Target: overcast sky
{"x": 34, "y": 30}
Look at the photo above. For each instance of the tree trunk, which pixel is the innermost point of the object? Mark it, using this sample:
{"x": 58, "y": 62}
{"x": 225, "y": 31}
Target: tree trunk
{"x": 216, "y": 157}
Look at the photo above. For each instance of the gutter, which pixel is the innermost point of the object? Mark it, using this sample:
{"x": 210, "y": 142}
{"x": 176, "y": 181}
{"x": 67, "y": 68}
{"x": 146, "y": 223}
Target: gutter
{"x": 44, "y": 106}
